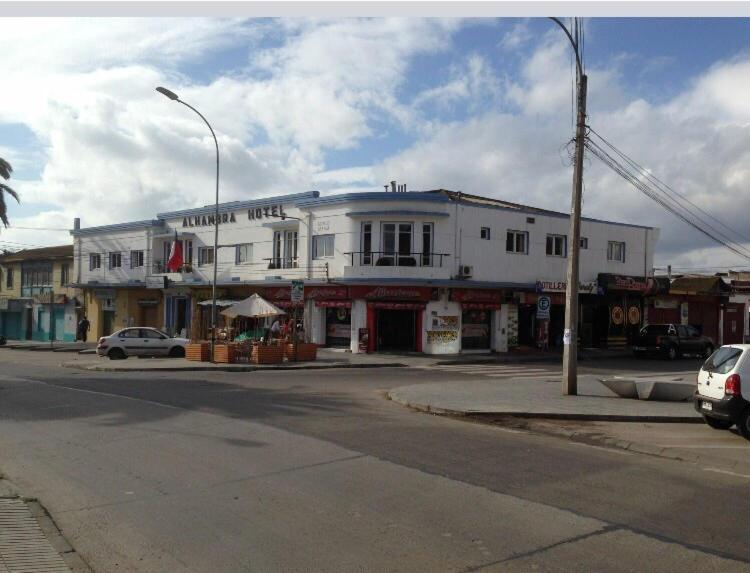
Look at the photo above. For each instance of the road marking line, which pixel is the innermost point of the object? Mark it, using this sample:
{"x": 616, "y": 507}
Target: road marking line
{"x": 698, "y": 446}
{"x": 727, "y": 472}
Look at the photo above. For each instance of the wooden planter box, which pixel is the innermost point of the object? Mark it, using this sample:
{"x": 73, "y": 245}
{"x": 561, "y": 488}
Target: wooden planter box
{"x": 267, "y": 354}
{"x": 306, "y": 352}
{"x": 225, "y": 353}
{"x": 198, "y": 351}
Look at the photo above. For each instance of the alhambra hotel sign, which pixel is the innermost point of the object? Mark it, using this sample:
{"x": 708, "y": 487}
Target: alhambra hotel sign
{"x": 265, "y": 212}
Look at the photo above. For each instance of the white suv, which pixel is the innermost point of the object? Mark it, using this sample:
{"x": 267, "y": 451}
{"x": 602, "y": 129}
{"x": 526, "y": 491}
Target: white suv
{"x": 720, "y": 397}
{"x": 140, "y": 342}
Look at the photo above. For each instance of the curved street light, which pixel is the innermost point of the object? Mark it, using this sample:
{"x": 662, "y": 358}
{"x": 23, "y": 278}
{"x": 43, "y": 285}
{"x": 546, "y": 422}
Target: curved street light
{"x": 174, "y": 97}
{"x": 570, "y": 336}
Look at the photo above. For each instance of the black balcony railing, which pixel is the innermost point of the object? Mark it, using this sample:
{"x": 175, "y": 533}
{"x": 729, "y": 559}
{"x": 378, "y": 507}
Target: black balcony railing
{"x": 161, "y": 267}
{"x": 391, "y": 259}
{"x": 282, "y": 263}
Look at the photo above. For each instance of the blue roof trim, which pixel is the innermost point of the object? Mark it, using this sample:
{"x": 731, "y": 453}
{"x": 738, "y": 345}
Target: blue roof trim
{"x": 373, "y": 196}
{"x": 237, "y": 205}
{"x": 117, "y": 227}
{"x": 404, "y": 213}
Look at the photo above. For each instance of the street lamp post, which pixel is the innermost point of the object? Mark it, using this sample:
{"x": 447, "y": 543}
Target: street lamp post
{"x": 570, "y": 335}
{"x": 174, "y": 97}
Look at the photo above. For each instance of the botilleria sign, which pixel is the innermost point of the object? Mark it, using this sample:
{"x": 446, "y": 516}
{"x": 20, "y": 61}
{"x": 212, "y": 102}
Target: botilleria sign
{"x": 266, "y": 212}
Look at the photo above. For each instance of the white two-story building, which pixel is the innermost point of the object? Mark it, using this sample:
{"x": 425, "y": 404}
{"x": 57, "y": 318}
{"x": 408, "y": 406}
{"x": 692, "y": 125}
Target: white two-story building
{"x": 435, "y": 271}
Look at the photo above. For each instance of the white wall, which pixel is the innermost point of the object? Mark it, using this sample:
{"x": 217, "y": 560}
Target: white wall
{"x": 457, "y": 235}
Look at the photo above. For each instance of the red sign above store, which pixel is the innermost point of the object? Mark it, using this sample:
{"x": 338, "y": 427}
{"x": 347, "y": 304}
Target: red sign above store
{"x": 476, "y": 295}
{"x": 326, "y": 292}
{"x": 391, "y": 293}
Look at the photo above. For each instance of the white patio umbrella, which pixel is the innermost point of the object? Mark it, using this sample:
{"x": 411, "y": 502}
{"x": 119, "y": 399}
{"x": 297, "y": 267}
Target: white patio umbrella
{"x": 254, "y": 306}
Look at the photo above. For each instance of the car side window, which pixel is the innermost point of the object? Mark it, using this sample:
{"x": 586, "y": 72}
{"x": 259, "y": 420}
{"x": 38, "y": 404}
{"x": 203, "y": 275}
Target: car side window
{"x": 146, "y": 333}
{"x": 129, "y": 333}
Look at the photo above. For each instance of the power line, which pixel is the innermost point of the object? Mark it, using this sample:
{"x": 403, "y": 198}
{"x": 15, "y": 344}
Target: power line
{"x": 669, "y": 202}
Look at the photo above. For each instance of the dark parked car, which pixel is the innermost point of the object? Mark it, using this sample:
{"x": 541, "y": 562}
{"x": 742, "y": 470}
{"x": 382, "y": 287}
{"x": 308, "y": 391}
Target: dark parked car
{"x": 672, "y": 340}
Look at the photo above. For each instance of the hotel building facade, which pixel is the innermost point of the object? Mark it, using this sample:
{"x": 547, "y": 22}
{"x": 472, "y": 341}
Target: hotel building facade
{"x": 439, "y": 272}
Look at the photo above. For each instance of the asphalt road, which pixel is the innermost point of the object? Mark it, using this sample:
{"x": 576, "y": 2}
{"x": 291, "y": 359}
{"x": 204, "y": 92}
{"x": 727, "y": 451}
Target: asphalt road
{"x": 316, "y": 471}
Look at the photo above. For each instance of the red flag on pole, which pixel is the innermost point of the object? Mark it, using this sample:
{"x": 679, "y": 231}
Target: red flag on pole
{"x": 175, "y": 256}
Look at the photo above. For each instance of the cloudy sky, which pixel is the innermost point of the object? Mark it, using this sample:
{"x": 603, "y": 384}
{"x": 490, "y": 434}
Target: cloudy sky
{"x": 478, "y": 105}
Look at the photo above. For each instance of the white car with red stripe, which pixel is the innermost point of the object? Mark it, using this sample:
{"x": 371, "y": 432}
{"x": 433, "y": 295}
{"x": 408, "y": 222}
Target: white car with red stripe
{"x": 140, "y": 341}
{"x": 723, "y": 394}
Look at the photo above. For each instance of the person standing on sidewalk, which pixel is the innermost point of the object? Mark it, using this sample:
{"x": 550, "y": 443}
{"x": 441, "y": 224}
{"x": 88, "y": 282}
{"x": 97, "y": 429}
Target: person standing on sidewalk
{"x": 83, "y": 329}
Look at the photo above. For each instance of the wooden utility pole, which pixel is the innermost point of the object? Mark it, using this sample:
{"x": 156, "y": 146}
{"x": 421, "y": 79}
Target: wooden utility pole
{"x": 570, "y": 335}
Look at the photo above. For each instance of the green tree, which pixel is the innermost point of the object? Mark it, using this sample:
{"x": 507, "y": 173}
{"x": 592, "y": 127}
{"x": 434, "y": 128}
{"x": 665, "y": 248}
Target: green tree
{"x": 5, "y": 171}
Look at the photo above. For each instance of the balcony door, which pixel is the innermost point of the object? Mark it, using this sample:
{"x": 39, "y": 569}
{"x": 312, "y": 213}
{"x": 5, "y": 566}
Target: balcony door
{"x": 397, "y": 245}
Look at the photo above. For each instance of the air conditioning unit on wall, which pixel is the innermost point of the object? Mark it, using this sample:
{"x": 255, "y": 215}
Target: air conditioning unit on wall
{"x": 465, "y": 271}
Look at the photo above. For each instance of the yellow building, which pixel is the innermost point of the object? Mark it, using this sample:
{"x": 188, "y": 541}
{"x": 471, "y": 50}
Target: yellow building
{"x": 37, "y": 301}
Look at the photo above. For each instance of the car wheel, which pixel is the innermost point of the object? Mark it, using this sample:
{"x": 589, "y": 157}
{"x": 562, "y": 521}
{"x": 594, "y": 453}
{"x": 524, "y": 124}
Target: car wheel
{"x": 708, "y": 351}
{"x": 671, "y": 353}
{"x": 177, "y": 352}
{"x": 116, "y": 354}
{"x": 743, "y": 424}
{"x": 717, "y": 424}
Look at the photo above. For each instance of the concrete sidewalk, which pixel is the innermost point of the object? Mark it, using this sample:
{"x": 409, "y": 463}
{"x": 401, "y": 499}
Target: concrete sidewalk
{"x": 42, "y": 346}
{"x": 326, "y": 359}
{"x": 537, "y": 398}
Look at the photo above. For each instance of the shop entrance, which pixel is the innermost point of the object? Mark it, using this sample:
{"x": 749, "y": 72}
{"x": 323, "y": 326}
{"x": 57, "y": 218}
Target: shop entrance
{"x": 396, "y": 329}
{"x": 476, "y": 326}
{"x": 108, "y": 321}
{"x": 338, "y": 327}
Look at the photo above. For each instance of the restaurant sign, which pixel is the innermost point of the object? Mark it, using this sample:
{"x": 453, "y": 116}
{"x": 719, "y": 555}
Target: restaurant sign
{"x": 326, "y": 292}
{"x": 391, "y": 293}
{"x": 476, "y": 295}
{"x": 642, "y": 285}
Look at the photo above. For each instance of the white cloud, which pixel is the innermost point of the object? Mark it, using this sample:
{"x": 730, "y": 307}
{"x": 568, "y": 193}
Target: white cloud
{"x": 698, "y": 142}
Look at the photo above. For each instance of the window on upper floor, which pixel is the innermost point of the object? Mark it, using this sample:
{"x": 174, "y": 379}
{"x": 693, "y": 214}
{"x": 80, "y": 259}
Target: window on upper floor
{"x": 115, "y": 260}
{"x": 584, "y": 244}
{"x": 9, "y": 278}
{"x": 484, "y": 233}
{"x": 397, "y": 238}
{"x": 366, "y": 247}
{"x": 243, "y": 254}
{"x": 616, "y": 251}
{"x": 427, "y": 238}
{"x": 64, "y": 274}
{"x": 517, "y": 242}
{"x": 322, "y": 246}
{"x": 205, "y": 256}
{"x": 557, "y": 245}
{"x": 136, "y": 259}
{"x": 95, "y": 261}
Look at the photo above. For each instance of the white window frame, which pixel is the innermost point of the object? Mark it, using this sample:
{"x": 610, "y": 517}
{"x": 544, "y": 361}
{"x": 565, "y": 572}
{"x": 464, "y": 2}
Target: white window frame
{"x": 325, "y": 239}
{"x": 612, "y": 250}
{"x": 516, "y": 234}
{"x": 366, "y": 250}
{"x": 396, "y": 238}
{"x": 562, "y": 240}
{"x": 115, "y": 256}
{"x": 485, "y": 233}
{"x": 136, "y": 259}
{"x": 95, "y": 261}
{"x": 202, "y": 256}
{"x": 247, "y": 257}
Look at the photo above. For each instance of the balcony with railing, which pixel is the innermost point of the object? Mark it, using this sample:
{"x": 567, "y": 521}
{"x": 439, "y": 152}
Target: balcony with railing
{"x": 389, "y": 264}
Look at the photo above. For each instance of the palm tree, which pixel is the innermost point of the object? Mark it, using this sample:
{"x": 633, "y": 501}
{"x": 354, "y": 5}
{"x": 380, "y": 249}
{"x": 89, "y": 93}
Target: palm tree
{"x": 5, "y": 171}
